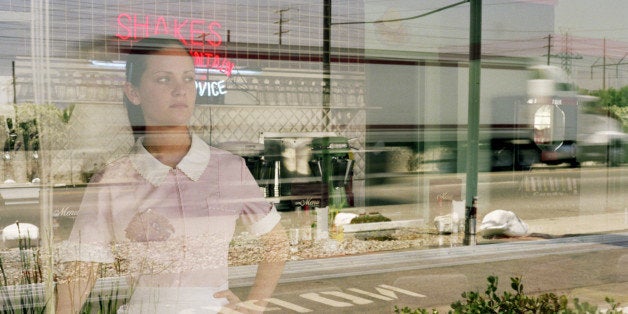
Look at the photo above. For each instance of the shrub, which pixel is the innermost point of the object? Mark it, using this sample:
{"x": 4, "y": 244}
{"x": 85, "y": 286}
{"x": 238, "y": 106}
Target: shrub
{"x": 515, "y": 302}
{"x": 369, "y": 218}
{"x": 377, "y": 235}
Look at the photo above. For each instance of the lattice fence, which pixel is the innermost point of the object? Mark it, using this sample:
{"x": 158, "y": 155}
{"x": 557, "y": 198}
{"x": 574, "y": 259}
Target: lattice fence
{"x": 278, "y": 102}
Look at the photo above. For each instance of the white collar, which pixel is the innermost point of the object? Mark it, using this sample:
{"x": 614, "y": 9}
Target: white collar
{"x": 192, "y": 165}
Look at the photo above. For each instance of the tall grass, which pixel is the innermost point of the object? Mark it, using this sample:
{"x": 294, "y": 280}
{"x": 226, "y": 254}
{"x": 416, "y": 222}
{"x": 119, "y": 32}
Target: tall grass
{"x": 21, "y": 289}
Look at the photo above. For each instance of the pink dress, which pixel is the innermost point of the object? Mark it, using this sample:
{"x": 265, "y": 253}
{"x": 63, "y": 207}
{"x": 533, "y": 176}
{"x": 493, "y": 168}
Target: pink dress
{"x": 171, "y": 226}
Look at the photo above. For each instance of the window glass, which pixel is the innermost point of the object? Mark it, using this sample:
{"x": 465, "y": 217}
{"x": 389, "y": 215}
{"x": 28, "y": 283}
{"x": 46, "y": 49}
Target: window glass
{"x": 245, "y": 133}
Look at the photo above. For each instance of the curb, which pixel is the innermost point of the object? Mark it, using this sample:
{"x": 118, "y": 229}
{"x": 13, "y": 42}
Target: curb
{"x": 378, "y": 263}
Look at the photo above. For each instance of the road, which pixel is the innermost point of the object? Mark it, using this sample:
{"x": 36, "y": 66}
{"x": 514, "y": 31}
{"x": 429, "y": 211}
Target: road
{"x": 545, "y": 192}
{"x": 542, "y": 193}
{"x": 589, "y": 268}
{"x": 554, "y": 192}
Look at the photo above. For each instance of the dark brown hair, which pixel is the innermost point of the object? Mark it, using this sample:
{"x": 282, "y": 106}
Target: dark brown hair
{"x": 135, "y": 67}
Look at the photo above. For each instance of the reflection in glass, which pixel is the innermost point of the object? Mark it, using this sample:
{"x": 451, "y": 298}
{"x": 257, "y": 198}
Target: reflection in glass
{"x": 549, "y": 126}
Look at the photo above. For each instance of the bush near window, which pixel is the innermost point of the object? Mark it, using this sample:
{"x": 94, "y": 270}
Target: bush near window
{"x": 516, "y": 302}
{"x": 611, "y": 96}
{"x": 613, "y": 102}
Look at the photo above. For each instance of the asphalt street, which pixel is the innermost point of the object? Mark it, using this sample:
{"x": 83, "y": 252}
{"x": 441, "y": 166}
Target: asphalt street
{"x": 588, "y": 267}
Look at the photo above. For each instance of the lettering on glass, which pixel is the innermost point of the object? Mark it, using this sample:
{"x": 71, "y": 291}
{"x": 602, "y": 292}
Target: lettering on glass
{"x": 200, "y": 36}
{"x": 192, "y": 32}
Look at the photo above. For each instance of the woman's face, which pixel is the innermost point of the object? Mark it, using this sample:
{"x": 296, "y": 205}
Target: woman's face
{"x": 166, "y": 92}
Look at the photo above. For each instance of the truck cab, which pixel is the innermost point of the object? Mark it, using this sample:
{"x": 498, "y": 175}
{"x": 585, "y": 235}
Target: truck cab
{"x": 572, "y": 128}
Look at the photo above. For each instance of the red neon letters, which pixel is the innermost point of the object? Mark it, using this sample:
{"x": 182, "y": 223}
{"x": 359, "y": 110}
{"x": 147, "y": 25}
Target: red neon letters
{"x": 191, "y": 32}
{"x": 213, "y": 61}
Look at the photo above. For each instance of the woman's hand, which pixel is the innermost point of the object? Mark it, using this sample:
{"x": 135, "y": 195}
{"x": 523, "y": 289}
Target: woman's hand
{"x": 229, "y": 295}
{"x": 248, "y": 307}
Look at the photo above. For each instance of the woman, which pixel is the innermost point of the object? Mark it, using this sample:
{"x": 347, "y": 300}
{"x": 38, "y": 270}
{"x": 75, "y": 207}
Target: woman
{"x": 169, "y": 208}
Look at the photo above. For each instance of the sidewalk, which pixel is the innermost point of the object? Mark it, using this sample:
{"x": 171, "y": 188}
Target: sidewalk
{"x": 584, "y": 224}
{"x": 384, "y": 262}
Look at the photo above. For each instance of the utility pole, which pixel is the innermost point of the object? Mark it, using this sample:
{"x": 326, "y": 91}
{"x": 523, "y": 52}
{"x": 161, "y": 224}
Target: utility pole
{"x": 604, "y": 67}
{"x": 566, "y": 56}
{"x": 473, "y": 120}
{"x": 606, "y": 64}
{"x": 549, "y": 48}
{"x": 281, "y": 22}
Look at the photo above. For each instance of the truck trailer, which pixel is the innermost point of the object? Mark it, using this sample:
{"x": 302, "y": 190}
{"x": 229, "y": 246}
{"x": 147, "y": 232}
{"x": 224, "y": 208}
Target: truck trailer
{"x": 529, "y": 115}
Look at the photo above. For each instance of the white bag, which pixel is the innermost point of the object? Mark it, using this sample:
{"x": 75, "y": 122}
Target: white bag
{"x": 503, "y": 222}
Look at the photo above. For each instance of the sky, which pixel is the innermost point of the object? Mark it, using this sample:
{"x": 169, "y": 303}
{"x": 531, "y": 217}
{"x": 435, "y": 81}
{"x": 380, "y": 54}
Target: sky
{"x": 593, "y": 18}
{"x": 597, "y": 28}
{"x": 586, "y": 34}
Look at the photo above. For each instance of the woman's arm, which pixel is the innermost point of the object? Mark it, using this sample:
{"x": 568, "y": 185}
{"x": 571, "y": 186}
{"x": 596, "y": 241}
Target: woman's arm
{"x": 77, "y": 283}
{"x": 270, "y": 269}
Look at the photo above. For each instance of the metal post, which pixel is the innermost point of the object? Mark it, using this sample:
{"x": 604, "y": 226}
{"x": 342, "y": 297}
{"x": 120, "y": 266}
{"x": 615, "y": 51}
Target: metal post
{"x": 549, "y": 48}
{"x": 473, "y": 131}
{"x": 326, "y": 63}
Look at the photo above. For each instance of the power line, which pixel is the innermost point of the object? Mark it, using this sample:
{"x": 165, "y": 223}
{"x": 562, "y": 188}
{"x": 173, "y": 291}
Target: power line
{"x": 404, "y": 18}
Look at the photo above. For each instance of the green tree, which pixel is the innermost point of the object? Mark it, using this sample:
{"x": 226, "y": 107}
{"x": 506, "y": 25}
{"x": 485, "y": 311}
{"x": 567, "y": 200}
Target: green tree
{"x": 612, "y": 102}
{"x": 612, "y": 97}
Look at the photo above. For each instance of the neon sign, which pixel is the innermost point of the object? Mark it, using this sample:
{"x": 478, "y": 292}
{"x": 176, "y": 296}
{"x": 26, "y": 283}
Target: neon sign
{"x": 213, "y": 61}
{"x": 211, "y": 88}
{"x": 209, "y": 92}
{"x": 191, "y": 32}
{"x": 194, "y": 33}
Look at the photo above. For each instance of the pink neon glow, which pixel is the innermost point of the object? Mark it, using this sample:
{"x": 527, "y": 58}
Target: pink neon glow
{"x": 194, "y": 33}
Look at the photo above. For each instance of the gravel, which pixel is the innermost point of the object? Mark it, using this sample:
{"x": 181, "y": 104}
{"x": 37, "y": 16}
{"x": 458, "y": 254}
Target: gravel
{"x": 246, "y": 250}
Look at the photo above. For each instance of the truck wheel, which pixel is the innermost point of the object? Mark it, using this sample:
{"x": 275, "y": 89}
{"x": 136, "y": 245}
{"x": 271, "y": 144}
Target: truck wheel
{"x": 526, "y": 158}
{"x": 615, "y": 156}
{"x": 574, "y": 163}
{"x": 502, "y": 159}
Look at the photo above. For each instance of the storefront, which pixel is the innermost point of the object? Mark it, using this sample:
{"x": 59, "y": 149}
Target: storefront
{"x": 339, "y": 109}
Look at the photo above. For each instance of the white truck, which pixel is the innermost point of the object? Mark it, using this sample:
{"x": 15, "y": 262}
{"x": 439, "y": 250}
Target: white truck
{"x": 529, "y": 115}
